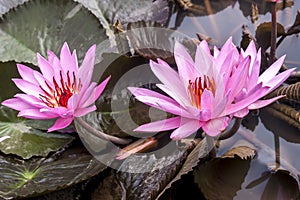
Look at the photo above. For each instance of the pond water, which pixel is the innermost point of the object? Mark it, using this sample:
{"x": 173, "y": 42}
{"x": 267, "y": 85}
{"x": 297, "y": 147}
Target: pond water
{"x": 269, "y": 131}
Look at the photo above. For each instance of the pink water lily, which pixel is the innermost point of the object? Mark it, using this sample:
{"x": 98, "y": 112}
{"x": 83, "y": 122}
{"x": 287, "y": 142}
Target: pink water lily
{"x": 61, "y": 90}
{"x": 208, "y": 91}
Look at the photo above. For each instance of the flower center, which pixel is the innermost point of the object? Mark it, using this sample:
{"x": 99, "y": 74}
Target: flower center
{"x": 59, "y": 95}
{"x": 196, "y": 88}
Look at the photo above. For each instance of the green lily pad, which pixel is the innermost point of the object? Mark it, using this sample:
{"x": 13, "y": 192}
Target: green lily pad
{"x": 31, "y": 178}
{"x": 52, "y": 23}
{"x": 25, "y": 141}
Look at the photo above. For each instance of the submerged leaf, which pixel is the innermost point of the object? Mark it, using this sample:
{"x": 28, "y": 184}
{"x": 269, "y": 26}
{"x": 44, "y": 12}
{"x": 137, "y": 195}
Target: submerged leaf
{"x": 23, "y": 179}
{"x": 51, "y": 23}
{"x": 25, "y": 141}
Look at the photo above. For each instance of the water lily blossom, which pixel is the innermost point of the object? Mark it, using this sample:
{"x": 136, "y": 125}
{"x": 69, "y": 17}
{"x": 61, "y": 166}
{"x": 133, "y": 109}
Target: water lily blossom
{"x": 211, "y": 89}
{"x": 61, "y": 90}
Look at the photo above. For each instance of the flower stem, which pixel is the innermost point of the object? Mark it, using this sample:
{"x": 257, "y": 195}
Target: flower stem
{"x": 273, "y": 33}
{"x": 100, "y": 134}
{"x": 228, "y": 133}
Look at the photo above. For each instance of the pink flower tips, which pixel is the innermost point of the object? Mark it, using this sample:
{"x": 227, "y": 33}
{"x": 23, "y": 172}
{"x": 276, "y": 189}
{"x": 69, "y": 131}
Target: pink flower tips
{"x": 61, "y": 90}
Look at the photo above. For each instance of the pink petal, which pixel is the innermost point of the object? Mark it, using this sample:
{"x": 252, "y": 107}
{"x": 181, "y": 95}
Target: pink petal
{"x": 67, "y": 61}
{"x": 51, "y": 57}
{"x": 271, "y": 71}
{"x": 238, "y": 80}
{"x": 241, "y": 113}
{"x": 27, "y": 73}
{"x": 262, "y": 103}
{"x": 203, "y": 59}
{"x": 60, "y": 124}
{"x": 216, "y": 52}
{"x": 215, "y": 126}
{"x": 83, "y": 111}
{"x": 254, "y": 72}
{"x": 45, "y": 67}
{"x": 279, "y": 79}
{"x": 171, "y": 80}
{"x": 87, "y": 67}
{"x": 100, "y": 88}
{"x": 35, "y": 114}
{"x": 145, "y": 92}
{"x": 162, "y": 125}
{"x": 87, "y": 96}
{"x": 58, "y": 112}
{"x": 163, "y": 105}
{"x": 182, "y": 100}
{"x": 28, "y": 87}
{"x": 186, "y": 129}
{"x": 185, "y": 63}
{"x": 17, "y": 104}
{"x": 257, "y": 94}
{"x": 32, "y": 100}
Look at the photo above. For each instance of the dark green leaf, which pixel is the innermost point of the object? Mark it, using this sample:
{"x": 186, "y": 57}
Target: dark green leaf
{"x": 25, "y": 141}
{"x": 152, "y": 41}
{"x": 52, "y": 22}
{"x": 108, "y": 11}
{"x": 145, "y": 176}
{"x": 21, "y": 179}
{"x": 200, "y": 151}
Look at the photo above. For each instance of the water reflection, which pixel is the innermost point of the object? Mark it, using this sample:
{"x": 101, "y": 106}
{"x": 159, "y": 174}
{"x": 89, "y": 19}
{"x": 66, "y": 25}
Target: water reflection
{"x": 229, "y": 18}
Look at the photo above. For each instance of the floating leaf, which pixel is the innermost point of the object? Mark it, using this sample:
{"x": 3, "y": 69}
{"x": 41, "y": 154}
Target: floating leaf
{"x": 291, "y": 92}
{"x": 245, "y": 6}
{"x": 281, "y": 186}
{"x": 263, "y": 33}
{"x": 158, "y": 171}
{"x": 152, "y": 41}
{"x": 200, "y": 151}
{"x": 222, "y": 177}
{"x": 22, "y": 179}
{"x": 51, "y": 23}
{"x": 26, "y": 141}
{"x": 242, "y": 152}
{"x": 109, "y": 12}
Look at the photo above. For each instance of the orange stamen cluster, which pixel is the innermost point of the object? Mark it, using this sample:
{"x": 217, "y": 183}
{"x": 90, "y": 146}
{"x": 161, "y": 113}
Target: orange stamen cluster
{"x": 59, "y": 95}
{"x": 196, "y": 88}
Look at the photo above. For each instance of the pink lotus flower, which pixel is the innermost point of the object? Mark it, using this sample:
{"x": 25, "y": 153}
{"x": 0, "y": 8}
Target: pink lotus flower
{"x": 60, "y": 91}
{"x": 208, "y": 92}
